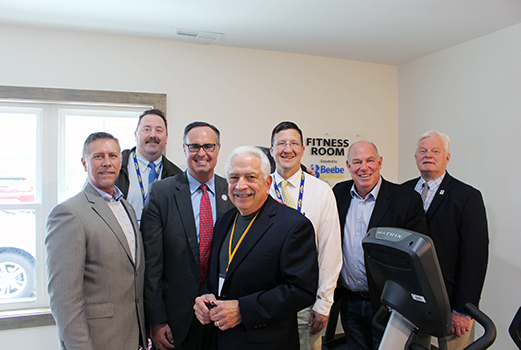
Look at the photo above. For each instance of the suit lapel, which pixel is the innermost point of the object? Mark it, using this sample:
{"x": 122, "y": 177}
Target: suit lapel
{"x": 261, "y": 225}
{"x": 183, "y": 200}
{"x": 440, "y": 195}
{"x": 102, "y": 209}
{"x": 132, "y": 215}
{"x": 221, "y": 196}
{"x": 382, "y": 204}
{"x": 343, "y": 205}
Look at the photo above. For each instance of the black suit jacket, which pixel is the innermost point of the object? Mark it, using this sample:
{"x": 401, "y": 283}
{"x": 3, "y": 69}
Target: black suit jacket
{"x": 123, "y": 183}
{"x": 172, "y": 252}
{"x": 273, "y": 275}
{"x": 396, "y": 206}
{"x": 457, "y": 224}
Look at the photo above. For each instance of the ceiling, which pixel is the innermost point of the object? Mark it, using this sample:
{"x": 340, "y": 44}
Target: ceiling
{"x": 384, "y": 31}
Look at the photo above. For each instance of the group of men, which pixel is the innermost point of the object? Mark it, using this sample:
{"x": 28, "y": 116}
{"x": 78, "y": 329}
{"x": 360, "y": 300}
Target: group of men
{"x": 251, "y": 261}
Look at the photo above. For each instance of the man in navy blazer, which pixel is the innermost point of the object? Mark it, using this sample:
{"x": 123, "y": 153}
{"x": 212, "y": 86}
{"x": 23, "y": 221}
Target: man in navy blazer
{"x": 364, "y": 202}
{"x": 264, "y": 265}
{"x": 171, "y": 234}
{"x": 458, "y": 226}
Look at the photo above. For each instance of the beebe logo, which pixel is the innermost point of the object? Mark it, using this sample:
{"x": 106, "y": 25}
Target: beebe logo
{"x": 330, "y": 171}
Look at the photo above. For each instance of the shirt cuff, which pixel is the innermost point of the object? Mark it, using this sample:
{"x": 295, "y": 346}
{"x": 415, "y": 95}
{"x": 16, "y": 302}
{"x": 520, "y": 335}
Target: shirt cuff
{"x": 322, "y": 307}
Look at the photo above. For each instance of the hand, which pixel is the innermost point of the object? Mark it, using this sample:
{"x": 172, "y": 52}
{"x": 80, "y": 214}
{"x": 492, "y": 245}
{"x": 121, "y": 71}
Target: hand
{"x": 226, "y": 314}
{"x": 162, "y": 336}
{"x": 317, "y": 322}
{"x": 202, "y": 311}
{"x": 460, "y": 324}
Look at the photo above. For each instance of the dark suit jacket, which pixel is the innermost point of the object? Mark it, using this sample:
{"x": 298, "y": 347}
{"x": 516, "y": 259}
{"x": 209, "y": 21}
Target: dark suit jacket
{"x": 273, "y": 275}
{"x": 172, "y": 252}
{"x": 396, "y": 206}
{"x": 458, "y": 226}
{"x": 123, "y": 183}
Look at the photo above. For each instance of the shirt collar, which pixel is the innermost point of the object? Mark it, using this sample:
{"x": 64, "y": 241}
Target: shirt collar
{"x": 143, "y": 162}
{"x": 372, "y": 194}
{"x": 294, "y": 179}
{"x": 116, "y": 196}
{"x": 434, "y": 183}
{"x": 194, "y": 184}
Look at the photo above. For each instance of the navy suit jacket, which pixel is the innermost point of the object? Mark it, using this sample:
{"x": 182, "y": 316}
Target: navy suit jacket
{"x": 396, "y": 206}
{"x": 273, "y": 275}
{"x": 457, "y": 224}
{"x": 172, "y": 270}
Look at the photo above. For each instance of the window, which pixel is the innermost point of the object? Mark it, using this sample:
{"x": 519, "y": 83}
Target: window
{"x": 41, "y": 139}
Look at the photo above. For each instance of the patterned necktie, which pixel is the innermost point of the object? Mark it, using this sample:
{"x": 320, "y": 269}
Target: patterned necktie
{"x": 153, "y": 174}
{"x": 286, "y": 196}
{"x": 425, "y": 192}
{"x": 205, "y": 234}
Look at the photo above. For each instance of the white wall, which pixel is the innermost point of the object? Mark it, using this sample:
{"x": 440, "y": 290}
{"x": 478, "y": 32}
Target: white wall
{"x": 244, "y": 92}
{"x": 472, "y": 92}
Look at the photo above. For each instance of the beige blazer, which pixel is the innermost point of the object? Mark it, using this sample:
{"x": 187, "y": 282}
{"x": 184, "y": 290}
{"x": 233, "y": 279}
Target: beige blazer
{"x": 95, "y": 288}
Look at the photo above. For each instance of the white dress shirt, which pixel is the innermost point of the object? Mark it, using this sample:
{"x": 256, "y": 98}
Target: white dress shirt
{"x": 134, "y": 195}
{"x": 319, "y": 206}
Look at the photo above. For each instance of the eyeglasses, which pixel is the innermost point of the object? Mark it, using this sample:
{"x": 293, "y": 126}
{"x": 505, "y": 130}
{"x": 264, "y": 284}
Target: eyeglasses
{"x": 194, "y": 147}
{"x": 293, "y": 144}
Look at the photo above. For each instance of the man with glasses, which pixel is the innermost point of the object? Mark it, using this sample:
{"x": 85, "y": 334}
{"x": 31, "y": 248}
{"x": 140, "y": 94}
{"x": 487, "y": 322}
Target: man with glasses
{"x": 313, "y": 198}
{"x": 177, "y": 227}
{"x": 145, "y": 163}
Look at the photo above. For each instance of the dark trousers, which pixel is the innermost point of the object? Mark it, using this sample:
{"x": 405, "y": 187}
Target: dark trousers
{"x": 199, "y": 337}
{"x": 356, "y": 315}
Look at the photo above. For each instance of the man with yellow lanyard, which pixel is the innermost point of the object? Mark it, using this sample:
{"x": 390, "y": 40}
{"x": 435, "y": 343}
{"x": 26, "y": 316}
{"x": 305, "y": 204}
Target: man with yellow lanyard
{"x": 314, "y": 199}
{"x": 264, "y": 266}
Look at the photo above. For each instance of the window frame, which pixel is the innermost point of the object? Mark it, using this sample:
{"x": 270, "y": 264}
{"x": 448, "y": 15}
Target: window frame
{"x": 24, "y": 318}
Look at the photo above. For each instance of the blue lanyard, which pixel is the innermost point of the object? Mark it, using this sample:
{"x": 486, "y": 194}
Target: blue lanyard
{"x": 140, "y": 180}
{"x": 300, "y": 194}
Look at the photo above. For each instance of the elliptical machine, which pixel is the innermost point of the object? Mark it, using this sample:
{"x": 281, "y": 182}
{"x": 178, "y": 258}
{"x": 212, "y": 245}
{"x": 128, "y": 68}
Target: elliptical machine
{"x": 404, "y": 267}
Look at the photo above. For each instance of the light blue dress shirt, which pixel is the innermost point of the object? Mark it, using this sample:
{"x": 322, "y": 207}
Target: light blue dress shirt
{"x": 196, "y": 193}
{"x": 357, "y": 219}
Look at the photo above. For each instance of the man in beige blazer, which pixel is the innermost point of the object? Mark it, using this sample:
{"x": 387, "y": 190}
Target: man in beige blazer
{"x": 95, "y": 259}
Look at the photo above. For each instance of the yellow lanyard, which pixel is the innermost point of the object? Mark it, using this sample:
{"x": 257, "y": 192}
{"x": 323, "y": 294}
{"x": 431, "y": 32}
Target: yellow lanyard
{"x": 230, "y": 253}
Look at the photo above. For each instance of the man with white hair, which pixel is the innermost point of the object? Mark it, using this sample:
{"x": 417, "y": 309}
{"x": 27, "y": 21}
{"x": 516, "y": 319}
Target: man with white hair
{"x": 457, "y": 224}
{"x": 264, "y": 263}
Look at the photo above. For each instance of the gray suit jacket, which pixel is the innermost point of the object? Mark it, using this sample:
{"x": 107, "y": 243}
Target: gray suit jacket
{"x": 172, "y": 252}
{"x": 95, "y": 288}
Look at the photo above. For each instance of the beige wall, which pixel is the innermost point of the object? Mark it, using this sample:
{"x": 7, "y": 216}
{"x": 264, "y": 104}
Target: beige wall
{"x": 244, "y": 92}
{"x": 472, "y": 92}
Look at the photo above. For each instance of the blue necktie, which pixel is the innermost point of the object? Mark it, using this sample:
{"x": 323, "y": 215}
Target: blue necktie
{"x": 153, "y": 174}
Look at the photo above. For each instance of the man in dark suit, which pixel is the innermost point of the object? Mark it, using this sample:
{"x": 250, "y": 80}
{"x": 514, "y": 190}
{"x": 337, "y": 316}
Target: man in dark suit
{"x": 458, "y": 226}
{"x": 95, "y": 259}
{"x": 264, "y": 265}
{"x": 365, "y": 202}
{"x": 145, "y": 163}
{"x": 177, "y": 224}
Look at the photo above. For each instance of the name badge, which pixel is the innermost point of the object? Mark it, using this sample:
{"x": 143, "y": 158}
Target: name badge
{"x": 221, "y": 283}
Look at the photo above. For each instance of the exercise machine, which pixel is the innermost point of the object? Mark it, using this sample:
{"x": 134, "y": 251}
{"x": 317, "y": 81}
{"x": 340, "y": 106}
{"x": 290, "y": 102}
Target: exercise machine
{"x": 403, "y": 265}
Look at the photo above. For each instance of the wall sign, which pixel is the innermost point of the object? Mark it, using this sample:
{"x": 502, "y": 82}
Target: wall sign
{"x": 327, "y": 154}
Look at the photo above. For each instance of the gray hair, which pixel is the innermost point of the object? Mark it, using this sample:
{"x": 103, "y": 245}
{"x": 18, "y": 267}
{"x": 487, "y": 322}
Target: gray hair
{"x": 98, "y": 136}
{"x": 352, "y": 145}
{"x": 242, "y": 150}
{"x": 432, "y": 133}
